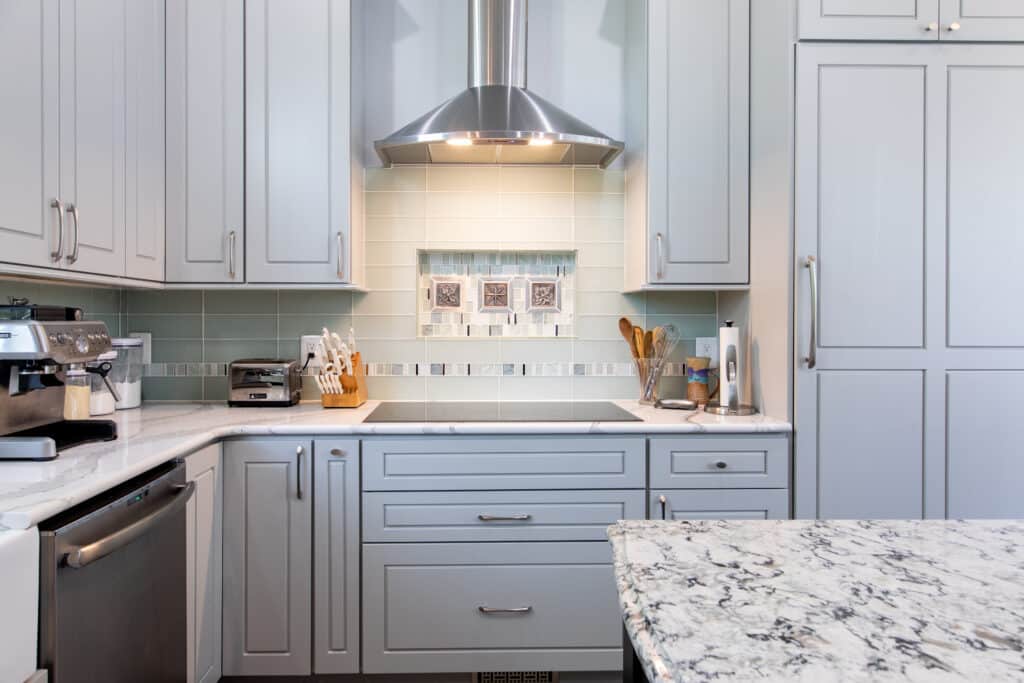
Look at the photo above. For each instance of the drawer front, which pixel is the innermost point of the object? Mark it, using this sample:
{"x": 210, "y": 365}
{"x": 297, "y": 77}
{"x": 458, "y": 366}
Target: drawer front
{"x": 719, "y": 462}
{"x": 431, "y": 516}
{"x": 719, "y": 504}
{"x": 485, "y": 607}
{"x": 432, "y": 464}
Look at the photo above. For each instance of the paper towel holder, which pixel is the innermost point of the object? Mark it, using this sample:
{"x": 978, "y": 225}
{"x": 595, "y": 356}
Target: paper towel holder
{"x": 730, "y": 371}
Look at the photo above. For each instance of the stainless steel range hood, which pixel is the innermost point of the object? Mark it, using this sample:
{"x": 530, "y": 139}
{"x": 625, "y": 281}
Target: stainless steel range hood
{"x": 497, "y": 120}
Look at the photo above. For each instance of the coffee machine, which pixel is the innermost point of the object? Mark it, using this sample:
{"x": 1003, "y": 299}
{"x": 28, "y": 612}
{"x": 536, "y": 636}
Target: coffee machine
{"x": 35, "y": 354}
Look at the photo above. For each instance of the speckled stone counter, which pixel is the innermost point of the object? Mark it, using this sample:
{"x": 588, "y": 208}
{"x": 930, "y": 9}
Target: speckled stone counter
{"x": 823, "y": 600}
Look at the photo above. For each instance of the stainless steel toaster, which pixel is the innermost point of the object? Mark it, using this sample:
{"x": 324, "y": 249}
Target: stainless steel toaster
{"x": 263, "y": 382}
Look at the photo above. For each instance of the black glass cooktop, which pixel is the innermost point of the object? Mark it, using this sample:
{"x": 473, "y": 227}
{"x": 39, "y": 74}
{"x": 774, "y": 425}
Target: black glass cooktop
{"x": 495, "y": 411}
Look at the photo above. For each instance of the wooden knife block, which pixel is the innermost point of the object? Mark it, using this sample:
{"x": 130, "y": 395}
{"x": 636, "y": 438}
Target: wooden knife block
{"x": 350, "y": 399}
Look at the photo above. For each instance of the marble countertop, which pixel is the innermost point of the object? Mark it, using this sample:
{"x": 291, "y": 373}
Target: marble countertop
{"x": 32, "y": 491}
{"x": 823, "y": 600}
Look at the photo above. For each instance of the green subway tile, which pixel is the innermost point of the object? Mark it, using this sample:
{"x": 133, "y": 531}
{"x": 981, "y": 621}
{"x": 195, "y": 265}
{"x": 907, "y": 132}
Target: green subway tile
{"x": 295, "y": 326}
{"x": 215, "y": 388}
{"x": 408, "y": 178}
{"x": 113, "y": 322}
{"x": 141, "y": 301}
{"x": 172, "y": 388}
{"x": 240, "y": 301}
{"x": 166, "y": 326}
{"x": 681, "y": 302}
{"x": 396, "y": 388}
{"x": 463, "y": 388}
{"x": 517, "y": 388}
{"x": 227, "y": 351}
{"x": 241, "y": 327}
{"x": 300, "y": 302}
{"x": 177, "y": 351}
{"x": 689, "y": 326}
{"x": 605, "y": 388}
{"x": 597, "y": 180}
{"x": 107, "y": 301}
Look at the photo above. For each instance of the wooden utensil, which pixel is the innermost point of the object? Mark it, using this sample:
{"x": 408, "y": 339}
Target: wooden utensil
{"x": 638, "y": 337}
{"x": 626, "y": 330}
{"x": 649, "y": 344}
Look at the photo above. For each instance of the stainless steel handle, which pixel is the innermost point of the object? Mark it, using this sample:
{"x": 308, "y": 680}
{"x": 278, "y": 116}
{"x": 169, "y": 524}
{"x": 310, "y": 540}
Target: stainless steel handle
{"x": 664, "y": 504}
{"x": 74, "y": 250}
{"x": 955, "y": 26}
{"x": 659, "y": 272}
{"x": 82, "y": 556}
{"x": 811, "y": 264}
{"x": 337, "y": 452}
{"x": 933, "y": 26}
{"x": 721, "y": 464}
{"x": 484, "y": 609}
{"x": 231, "y": 254}
{"x": 59, "y": 251}
{"x": 341, "y": 256}
{"x": 298, "y": 471}
{"x": 504, "y": 518}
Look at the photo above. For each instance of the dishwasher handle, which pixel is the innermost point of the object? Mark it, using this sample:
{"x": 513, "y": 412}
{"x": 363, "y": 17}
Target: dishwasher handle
{"x": 84, "y": 555}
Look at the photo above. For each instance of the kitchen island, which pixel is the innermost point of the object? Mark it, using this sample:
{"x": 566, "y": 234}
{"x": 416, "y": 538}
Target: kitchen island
{"x": 823, "y": 600}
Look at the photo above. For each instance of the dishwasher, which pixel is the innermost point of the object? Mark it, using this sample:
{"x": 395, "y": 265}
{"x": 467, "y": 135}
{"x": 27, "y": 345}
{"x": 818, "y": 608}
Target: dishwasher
{"x": 112, "y": 598}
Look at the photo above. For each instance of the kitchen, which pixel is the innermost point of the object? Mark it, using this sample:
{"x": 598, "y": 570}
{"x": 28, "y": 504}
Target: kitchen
{"x": 487, "y": 338}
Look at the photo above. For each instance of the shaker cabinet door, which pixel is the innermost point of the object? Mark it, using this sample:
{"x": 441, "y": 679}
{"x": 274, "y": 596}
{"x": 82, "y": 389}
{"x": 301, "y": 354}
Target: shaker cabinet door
{"x": 204, "y": 559}
{"x": 979, "y": 20}
{"x": 869, "y": 19}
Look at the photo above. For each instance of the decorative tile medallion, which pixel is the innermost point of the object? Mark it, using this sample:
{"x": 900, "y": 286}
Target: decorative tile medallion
{"x": 495, "y": 296}
{"x": 446, "y": 294}
{"x": 544, "y": 295}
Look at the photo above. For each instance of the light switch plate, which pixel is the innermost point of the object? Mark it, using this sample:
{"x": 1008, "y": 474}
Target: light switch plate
{"x": 307, "y": 345}
{"x": 708, "y": 346}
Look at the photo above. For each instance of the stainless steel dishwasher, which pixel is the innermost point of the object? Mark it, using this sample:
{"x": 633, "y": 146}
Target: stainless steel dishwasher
{"x": 112, "y": 588}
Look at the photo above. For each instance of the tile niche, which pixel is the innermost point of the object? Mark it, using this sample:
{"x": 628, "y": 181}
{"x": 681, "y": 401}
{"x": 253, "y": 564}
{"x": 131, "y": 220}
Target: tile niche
{"x": 496, "y": 294}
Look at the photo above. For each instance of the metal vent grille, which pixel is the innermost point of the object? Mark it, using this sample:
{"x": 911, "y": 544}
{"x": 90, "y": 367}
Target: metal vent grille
{"x": 515, "y": 677}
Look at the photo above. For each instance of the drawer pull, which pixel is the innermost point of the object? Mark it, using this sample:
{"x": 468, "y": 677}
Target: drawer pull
{"x": 721, "y": 464}
{"x": 484, "y": 609}
{"x": 505, "y": 518}
{"x": 337, "y": 452}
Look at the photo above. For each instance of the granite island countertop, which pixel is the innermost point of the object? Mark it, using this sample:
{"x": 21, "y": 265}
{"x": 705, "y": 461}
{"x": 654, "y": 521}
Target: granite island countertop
{"x": 33, "y": 491}
{"x": 806, "y": 600}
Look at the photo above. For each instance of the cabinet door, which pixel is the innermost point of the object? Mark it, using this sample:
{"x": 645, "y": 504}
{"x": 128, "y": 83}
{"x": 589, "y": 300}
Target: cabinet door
{"x": 204, "y": 556}
{"x": 144, "y": 151}
{"x": 699, "y": 93}
{"x": 297, "y": 63}
{"x": 205, "y": 151}
{"x": 336, "y": 561}
{"x": 870, "y": 19}
{"x": 721, "y": 504}
{"x": 92, "y": 132}
{"x": 29, "y": 158}
{"x": 267, "y": 558}
{"x": 997, "y": 20}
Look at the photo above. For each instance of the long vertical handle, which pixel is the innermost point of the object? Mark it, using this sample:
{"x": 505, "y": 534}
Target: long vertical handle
{"x": 811, "y": 264}
{"x": 231, "y": 254}
{"x": 341, "y": 257}
{"x": 298, "y": 472}
{"x": 659, "y": 272}
{"x": 664, "y": 504}
{"x": 59, "y": 251}
{"x": 73, "y": 256}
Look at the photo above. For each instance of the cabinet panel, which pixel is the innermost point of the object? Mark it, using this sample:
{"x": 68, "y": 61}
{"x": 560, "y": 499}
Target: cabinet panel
{"x": 267, "y": 557}
{"x": 205, "y": 150}
{"x": 694, "y": 462}
{"x": 723, "y": 504}
{"x": 422, "y": 607}
{"x": 297, "y": 141}
{"x": 29, "y": 136}
{"x": 204, "y": 561}
{"x": 986, "y": 463}
{"x": 336, "y": 557}
{"x": 985, "y": 199}
{"x": 1001, "y": 20}
{"x": 869, "y": 19}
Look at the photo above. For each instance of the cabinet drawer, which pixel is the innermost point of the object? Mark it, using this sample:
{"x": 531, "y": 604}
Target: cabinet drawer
{"x": 428, "y": 464}
{"x": 426, "y": 607}
{"x": 719, "y": 504}
{"x": 717, "y": 462}
{"x": 394, "y": 516}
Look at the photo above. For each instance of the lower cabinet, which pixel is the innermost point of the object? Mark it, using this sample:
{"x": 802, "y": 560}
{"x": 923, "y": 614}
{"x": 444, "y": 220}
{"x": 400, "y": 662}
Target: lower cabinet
{"x": 719, "y": 504}
{"x": 442, "y": 607}
{"x": 268, "y": 556}
{"x": 203, "y": 558}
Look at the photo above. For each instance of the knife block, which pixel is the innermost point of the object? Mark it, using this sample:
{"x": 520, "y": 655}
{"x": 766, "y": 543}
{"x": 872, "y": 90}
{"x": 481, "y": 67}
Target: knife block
{"x": 349, "y": 399}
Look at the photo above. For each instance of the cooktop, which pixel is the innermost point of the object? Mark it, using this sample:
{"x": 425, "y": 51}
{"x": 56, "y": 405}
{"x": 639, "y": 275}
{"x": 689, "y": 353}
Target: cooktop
{"x": 496, "y": 411}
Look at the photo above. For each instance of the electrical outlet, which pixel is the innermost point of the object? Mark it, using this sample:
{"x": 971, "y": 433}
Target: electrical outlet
{"x": 708, "y": 346}
{"x": 307, "y": 346}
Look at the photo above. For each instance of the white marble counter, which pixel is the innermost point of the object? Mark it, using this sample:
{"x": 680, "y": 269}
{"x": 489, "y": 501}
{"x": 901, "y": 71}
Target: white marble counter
{"x": 31, "y": 492}
{"x": 821, "y": 601}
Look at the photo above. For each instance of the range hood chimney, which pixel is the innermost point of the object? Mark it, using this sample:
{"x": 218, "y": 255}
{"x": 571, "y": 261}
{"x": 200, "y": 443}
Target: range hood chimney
{"x": 497, "y": 120}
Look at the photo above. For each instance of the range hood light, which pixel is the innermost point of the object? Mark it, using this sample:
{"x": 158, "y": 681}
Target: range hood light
{"x": 541, "y": 142}
{"x": 459, "y": 142}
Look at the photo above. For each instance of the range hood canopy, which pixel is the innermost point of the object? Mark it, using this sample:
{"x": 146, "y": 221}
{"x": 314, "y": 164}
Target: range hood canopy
{"x": 497, "y": 120}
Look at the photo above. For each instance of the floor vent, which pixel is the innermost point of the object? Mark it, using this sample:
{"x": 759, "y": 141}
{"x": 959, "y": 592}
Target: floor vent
{"x": 515, "y": 677}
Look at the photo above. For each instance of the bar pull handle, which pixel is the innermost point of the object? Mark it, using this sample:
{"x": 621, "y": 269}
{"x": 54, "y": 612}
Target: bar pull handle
{"x": 659, "y": 273}
{"x": 484, "y": 609}
{"x": 811, "y": 264}
{"x": 663, "y": 502}
{"x": 721, "y": 464}
{"x": 341, "y": 256}
{"x": 504, "y": 518}
{"x": 337, "y": 452}
{"x": 298, "y": 471}
{"x": 59, "y": 251}
{"x": 73, "y": 256}
{"x": 231, "y": 254}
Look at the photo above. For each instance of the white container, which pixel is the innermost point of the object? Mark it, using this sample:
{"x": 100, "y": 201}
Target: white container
{"x": 126, "y": 375}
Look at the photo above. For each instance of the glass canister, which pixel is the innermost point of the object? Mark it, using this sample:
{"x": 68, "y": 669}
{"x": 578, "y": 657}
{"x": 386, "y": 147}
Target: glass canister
{"x": 76, "y": 394}
{"x": 101, "y": 401}
{"x": 126, "y": 374}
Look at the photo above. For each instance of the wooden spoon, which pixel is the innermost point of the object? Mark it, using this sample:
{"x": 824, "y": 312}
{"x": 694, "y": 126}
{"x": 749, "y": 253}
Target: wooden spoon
{"x": 638, "y": 336}
{"x": 626, "y": 330}
{"x": 649, "y": 344}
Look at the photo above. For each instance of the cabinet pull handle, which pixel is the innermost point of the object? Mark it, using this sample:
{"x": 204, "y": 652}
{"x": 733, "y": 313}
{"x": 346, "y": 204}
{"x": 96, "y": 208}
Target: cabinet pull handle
{"x": 341, "y": 256}
{"x": 721, "y": 464}
{"x": 955, "y": 26}
{"x": 337, "y": 452}
{"x": 73, "y": 256}
{"x": 59, "y": 251}
{"x": 231, "y": 254}
{"x": 504, "y": 518}
{"x": 933, "y": 26}
{"x": 298, "y": 472}
{"x": 484, "y": 609}
{"x": 659, "y": 273}
{"x": 811, "y": 264}
{"x": 663, "y": 502}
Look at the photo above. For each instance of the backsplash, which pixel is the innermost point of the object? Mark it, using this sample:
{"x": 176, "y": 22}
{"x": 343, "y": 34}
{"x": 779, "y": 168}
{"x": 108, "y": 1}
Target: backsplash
{"x": 410, "y": 210}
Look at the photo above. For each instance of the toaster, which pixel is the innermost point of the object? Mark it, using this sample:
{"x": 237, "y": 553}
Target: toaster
{"x": 263, "y": 382}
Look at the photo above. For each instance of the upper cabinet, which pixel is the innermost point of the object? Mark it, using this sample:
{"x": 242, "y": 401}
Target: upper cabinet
{"x": 303, "y": 180}
{"x": 205, "y": 141}
{"x": 947, "y": 20}
{"x": 687, "y": 144}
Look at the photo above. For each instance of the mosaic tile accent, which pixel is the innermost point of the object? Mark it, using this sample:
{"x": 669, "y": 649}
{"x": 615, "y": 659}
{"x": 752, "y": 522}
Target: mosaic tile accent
{"x": 488, "y": 294}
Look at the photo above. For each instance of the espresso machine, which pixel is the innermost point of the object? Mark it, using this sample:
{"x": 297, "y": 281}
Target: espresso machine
{"x": 35, "y": 354}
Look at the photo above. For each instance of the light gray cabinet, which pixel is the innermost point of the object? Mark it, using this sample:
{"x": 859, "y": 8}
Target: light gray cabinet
{"x": 906, "y": 197}
{"x": 705, "y": 504}
{"x": 205, "y": 141}
{"x": 977, "y": 20}
{"x": 687, "y": 143}
{"x": 268, "y": 555}
{"x": 336, "y": 556}
{"x": 204, "y": 563}
{"x": 720, "y": 461}
{"x": 303, "y": 179}
{"x": 920, "y": 20}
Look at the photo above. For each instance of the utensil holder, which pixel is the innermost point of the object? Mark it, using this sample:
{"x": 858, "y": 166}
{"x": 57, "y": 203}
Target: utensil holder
{"x": 353, "y": 398}
{"x": 650, "y": 368}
